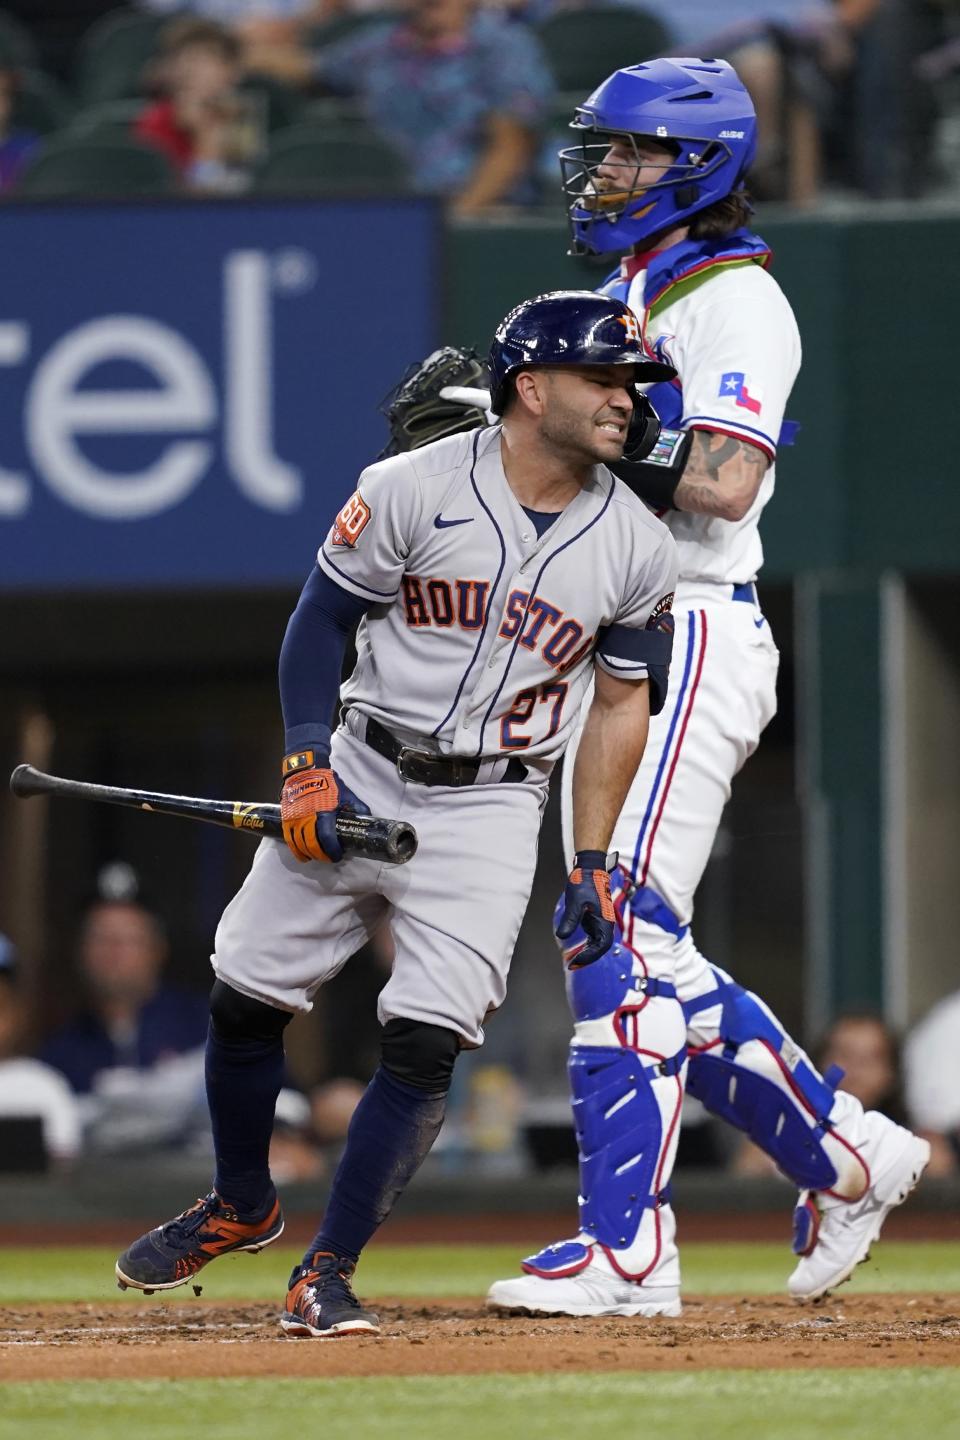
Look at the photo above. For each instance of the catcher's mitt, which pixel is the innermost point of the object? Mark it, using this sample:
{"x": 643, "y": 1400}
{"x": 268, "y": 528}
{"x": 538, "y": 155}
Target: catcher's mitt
{"x": 417, "y": 412}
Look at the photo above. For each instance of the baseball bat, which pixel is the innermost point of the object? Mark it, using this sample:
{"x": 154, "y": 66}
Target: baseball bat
{"x": 364, "y": 835}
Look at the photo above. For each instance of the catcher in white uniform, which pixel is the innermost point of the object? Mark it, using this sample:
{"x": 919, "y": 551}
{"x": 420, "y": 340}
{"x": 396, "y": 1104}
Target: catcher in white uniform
{"x": 658, "y": 177}
{"x": 494, "y": 576}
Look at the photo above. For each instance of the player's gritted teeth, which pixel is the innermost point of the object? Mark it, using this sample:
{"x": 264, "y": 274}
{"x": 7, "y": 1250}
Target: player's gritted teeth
{"x": 612, "y": 424}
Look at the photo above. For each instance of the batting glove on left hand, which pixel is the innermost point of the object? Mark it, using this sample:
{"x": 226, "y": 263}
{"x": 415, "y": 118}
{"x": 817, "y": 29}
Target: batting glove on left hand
{"x": 312, "y": 797}
{"x": 587, "y": 907}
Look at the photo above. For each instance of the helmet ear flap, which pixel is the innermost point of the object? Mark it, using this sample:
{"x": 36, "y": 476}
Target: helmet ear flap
{"x": 643, "y": 431}
{"x": 499, "y": 395}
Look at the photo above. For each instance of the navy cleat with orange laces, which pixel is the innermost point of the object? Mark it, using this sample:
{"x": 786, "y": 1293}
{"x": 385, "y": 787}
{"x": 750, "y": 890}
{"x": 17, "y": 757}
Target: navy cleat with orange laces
{"x": 174, "y": 1253}
{"x": 321, "y": 1303}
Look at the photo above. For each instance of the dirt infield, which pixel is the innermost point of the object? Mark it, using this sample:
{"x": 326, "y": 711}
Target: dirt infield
{"x": 194, "y": 1339}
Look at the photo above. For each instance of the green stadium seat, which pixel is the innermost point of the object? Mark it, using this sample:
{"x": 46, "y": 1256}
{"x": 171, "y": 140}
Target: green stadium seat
{"x": 282, "y": 106}
{"x": 333, "y": 110}
{"x": 17, "y": 47}
{"x": 68, "y": 166}
{"x": 112, "y": 119}
{"x": 331, "y": 160}
{"x": 584, "y": 46}
{"x": 113, "y": 55}
{"x": 40, "y": 104}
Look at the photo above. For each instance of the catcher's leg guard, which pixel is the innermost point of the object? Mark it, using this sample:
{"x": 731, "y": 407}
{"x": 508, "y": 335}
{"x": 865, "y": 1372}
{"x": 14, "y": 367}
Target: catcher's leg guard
{"x": 746, "y": 1069}
{"x": 623, "y": 1142}
{"x": 626, "y": 1069}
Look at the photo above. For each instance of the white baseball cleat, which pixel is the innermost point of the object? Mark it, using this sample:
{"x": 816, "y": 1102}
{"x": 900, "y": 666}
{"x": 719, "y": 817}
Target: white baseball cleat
{"x": 594, "y": 1289}
{"x": 834, "y": 1236}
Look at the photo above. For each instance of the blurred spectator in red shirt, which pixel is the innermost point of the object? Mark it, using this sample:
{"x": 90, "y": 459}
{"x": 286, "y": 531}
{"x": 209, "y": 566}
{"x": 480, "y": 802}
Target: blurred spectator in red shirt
{"x": 202, "y": 122}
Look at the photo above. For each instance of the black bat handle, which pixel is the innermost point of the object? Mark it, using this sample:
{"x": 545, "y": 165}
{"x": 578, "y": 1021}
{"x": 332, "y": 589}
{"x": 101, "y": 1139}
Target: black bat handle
{"x": 372, "y": 838}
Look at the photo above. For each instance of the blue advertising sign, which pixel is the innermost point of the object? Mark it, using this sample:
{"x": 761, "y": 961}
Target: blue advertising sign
{"x": 188, "y": 391}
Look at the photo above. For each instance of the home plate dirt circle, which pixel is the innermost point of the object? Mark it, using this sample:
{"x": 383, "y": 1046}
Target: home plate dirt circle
{"x": 180, "y": 1340}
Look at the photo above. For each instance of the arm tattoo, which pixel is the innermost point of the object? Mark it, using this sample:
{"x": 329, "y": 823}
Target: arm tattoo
{"x": 720, "y": 472}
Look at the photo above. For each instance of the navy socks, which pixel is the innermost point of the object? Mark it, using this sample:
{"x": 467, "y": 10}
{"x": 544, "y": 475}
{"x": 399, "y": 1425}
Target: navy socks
{"x": 244, "y": 1076}
{"x": 390, "y": 1135}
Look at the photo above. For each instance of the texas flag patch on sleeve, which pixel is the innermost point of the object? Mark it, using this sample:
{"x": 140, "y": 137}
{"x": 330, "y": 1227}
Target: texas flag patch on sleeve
{"x": 733, "y": 385}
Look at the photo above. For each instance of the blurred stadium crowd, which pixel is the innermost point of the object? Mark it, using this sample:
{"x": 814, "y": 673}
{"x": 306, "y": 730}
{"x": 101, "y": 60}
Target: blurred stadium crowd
{"x": 460, "y": 98}
{"x": 119, "y": 1069}
{"x": 123, "y": 1074}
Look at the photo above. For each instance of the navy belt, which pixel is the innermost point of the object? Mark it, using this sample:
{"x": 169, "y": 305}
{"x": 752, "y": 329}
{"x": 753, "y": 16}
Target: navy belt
{"x": 746, "y": 592}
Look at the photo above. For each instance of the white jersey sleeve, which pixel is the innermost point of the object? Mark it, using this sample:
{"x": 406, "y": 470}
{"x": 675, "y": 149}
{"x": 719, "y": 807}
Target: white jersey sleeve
{"x": 735, "y": 343}
{"x": 369, "y": 542}
{"x": 738, "y": 352}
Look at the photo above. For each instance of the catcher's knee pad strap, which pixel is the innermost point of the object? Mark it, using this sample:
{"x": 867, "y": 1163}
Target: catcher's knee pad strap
{"x": 648, "y": 906}
{"x": 620, "y": 1138}
{"x": 610, "y": 983}
{"x": 236, "y": 1016}
{"x": 420, "y": 1054}
{"x": 755, "y": 1077}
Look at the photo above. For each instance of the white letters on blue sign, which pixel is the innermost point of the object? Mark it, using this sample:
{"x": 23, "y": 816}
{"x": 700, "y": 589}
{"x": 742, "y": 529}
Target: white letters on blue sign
{"x": 58, "y": 411}
{"x": 248, "y": 367}
{"x": 14, "y": 488}
{"x": 181, "y": 404}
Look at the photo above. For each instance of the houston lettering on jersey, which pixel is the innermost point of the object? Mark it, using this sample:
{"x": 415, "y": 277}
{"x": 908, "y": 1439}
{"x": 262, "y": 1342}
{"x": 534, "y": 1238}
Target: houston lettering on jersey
{"x": 445, "y": 602}
{"x": 544, "y": 625}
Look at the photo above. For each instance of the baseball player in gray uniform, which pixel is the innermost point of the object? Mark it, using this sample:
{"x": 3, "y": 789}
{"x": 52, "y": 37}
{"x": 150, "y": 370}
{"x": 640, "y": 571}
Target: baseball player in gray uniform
{"x": 495, "y": 574}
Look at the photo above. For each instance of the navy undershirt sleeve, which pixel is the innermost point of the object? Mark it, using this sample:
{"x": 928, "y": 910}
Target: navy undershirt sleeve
{"x": 311, "y": 659}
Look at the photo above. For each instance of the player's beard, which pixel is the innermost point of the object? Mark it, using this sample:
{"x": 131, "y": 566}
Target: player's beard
{"x": 574, "y": 436}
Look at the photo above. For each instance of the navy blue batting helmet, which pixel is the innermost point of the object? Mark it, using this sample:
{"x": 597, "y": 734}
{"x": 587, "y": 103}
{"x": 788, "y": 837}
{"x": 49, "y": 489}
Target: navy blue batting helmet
{"x": 569, "y": 327}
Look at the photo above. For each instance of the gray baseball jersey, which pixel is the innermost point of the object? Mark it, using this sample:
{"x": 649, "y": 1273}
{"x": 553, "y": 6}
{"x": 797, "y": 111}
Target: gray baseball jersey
{"x": 483, "y": 635}
{"x": 480, "y": 641}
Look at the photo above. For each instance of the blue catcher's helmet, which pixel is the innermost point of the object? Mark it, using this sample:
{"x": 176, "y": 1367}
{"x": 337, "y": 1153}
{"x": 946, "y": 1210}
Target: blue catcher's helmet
{"x": 698, "y": 109}
{"x": 569, "y": 327}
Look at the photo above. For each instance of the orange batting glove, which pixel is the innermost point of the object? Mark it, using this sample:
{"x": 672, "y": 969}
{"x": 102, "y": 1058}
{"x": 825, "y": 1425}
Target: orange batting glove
{"x": 312, "y": 796}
